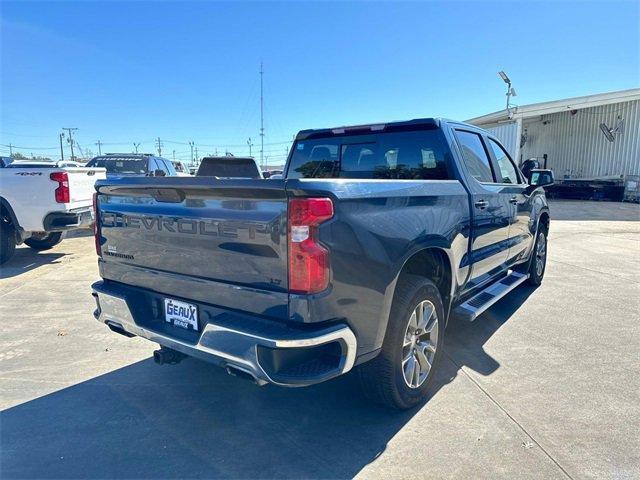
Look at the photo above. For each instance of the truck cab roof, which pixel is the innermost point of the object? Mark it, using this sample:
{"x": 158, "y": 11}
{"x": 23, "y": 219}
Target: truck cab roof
{"x": 415, "y": 124}
{"x": 398, "y": 126}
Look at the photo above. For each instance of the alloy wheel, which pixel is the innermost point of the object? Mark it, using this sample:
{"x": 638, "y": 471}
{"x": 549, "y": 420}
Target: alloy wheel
{"x": 420, "y": 344}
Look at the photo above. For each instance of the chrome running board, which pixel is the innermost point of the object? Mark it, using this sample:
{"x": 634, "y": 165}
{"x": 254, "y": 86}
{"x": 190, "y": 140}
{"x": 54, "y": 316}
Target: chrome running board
{"x": 472, "y": 308}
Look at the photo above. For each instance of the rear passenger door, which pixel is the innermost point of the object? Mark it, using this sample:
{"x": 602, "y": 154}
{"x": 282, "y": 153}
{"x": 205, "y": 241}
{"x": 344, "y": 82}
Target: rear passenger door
{"x": 491, "y": 210}
{"x": 514, "y": 189}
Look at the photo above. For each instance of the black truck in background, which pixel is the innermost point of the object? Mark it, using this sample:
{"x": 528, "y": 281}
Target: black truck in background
{"x": 376, "y": 236}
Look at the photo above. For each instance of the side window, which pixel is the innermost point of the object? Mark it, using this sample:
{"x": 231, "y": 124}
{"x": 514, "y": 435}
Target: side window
{"x": 156, "y": 164}
{"x": 507, "y": 172}
{"x": 167, "y": 166}
{"x": 474, "y": 156}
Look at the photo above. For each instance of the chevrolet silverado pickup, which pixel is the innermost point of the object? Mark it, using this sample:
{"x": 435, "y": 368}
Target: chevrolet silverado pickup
{"x": 357, "y": 258}
{"x": 39, "y": 201}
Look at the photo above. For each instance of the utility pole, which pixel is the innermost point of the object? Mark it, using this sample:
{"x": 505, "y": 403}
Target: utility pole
{"x": 197, "y": 156}
{"x": 10, "y": 150}
{"x": 136, "y": 145}
{"x": 159, "y": 145}
{"x": 174, "y": 155}
{"x": 250, "y": 145}
{"x": 191, "y": 145}
{"x": 70, "y": 139}
{"x": 61, "y": 136}
{"x": 99, "y": 144}
{"x": 261, "y": 118}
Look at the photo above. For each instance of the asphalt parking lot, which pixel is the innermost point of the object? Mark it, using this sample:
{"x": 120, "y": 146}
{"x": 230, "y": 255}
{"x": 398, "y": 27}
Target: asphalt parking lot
{"x": 546, "y": 384}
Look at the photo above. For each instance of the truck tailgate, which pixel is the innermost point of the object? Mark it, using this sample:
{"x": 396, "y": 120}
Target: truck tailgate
{"x": 221, "y": 242}
{"x": 82, "y": 184}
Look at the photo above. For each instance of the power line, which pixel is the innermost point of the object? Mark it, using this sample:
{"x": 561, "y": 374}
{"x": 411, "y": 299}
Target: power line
{"x": 28, "y": 148}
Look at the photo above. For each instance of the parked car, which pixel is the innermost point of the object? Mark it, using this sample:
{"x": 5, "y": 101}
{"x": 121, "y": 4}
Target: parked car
{"x": 181, "y": 169}
{"x": 229, "y": 167}
{"x": 5, "y": 161}
{"x": 271, "y": 173}
{"x": 133, "y": 164}
{"x": 45, "y": 164}
{"x": 376, "y": 237}
{"x": 69, "y": 163}
{"x": 39, "y": 203}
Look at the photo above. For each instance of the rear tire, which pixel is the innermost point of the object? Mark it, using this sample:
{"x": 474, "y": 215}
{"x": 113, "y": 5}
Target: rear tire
{"x": 44, "y": 242}
{"x": 538, "y": 264}
{"x": 402, "y": 373}
{"x": 7, "y": 239}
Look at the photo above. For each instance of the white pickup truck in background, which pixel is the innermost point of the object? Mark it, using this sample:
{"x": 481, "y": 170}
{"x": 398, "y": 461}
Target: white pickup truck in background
{"x": 40, "y": 201}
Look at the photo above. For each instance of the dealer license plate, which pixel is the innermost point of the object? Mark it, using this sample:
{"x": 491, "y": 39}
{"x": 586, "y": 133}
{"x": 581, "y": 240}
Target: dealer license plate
{"x": 181, "y": 314}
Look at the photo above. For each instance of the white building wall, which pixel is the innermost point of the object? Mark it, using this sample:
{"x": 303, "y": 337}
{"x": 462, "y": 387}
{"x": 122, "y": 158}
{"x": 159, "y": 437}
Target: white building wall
{"x": 577, "y": 148}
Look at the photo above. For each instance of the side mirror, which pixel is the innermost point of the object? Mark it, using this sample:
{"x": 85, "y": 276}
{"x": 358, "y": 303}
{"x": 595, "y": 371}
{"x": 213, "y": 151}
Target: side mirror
{"x": 159, "y": 173}
{"x": 541, "y": 178}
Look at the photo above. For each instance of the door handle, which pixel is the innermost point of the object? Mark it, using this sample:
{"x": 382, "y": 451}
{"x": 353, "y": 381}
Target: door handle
{"x": 513, "y": 201}
{"x": 481, "y": 204}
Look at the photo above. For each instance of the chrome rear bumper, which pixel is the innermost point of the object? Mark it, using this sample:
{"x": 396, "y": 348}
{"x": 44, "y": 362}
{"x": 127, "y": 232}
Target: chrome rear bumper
{"x": 277, "y": 354}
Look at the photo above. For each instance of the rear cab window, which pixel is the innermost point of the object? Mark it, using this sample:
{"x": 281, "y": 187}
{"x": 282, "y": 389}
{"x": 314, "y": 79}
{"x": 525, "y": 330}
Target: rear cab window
{"x": 408, "y": 155}
{"x": 228, "y": 167}
{"x": 121, "y": 165}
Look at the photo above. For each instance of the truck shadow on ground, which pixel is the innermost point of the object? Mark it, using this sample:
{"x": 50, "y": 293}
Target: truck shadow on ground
{"x": 26, "y": 259}
{"x": 194, "y": 421}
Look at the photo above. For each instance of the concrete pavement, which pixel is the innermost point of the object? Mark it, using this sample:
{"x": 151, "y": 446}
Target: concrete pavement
{"x": 546, "y": 384}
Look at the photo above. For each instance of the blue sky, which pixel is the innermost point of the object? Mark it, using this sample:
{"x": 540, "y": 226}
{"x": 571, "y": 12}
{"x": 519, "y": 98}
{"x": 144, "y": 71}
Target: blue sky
{"x": 125, "y": 72}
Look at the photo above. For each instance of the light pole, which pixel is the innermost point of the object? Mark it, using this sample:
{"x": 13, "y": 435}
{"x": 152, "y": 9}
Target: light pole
{"x": 511, "y": 92}
{"x": 136, "y": 145}
{"x": 191, "y": 144}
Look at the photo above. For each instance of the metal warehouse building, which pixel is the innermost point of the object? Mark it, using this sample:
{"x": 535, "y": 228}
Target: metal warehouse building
{"x": 588, "y": 137}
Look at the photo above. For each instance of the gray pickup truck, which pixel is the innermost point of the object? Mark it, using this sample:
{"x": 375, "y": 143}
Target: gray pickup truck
{"x": 376, "y": 236}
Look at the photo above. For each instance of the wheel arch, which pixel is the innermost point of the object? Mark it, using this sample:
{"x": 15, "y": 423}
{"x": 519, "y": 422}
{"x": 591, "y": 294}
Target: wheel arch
{"x": 424, "y": 260}
{"x": 435, "y": 264}
{"x": 544, "y": 219}
{"x": 5, "y": 206}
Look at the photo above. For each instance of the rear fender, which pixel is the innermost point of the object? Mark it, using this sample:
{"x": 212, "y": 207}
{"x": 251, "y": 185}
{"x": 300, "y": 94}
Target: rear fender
{"x": 21, "y": 235}
{"x": 432, "y": 243}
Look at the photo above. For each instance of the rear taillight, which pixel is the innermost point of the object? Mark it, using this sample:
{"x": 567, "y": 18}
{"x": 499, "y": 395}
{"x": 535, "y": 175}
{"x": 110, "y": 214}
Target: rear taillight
{"x": 62, "y": 192}
{"x": 96, "y": 225}
{"x": 308, "y": 260}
